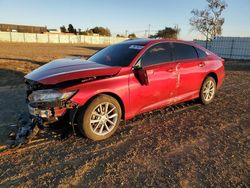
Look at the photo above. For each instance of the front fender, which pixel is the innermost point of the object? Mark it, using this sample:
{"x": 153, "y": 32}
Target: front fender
{"x": 117, "y": 86}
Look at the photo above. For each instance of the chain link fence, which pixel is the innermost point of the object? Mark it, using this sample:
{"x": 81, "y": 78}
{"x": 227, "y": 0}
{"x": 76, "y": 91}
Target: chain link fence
{"x": 229, "y": 47}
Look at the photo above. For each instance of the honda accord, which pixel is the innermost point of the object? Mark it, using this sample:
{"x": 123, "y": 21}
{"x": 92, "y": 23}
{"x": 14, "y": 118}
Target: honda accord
{"x": 122, "y": 81}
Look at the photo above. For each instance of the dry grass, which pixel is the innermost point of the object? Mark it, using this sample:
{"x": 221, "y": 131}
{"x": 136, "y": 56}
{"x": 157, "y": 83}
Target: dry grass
{"x": 18, "y": 59}
{"x": 203, "y": 146}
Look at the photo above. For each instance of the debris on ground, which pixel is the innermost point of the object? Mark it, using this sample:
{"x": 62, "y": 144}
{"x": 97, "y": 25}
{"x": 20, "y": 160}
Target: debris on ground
{"x": 26, "y": 129}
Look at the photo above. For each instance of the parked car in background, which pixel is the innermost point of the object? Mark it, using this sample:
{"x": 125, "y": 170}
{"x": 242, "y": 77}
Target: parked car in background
{"x": 122, "y": 81}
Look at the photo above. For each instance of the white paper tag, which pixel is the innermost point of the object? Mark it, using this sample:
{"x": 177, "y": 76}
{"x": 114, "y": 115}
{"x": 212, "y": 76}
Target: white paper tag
{"x": 136, "y": 47}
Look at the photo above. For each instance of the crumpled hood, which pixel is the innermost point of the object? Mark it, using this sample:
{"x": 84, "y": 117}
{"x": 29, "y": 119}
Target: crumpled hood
{"x": 62, "y": 70}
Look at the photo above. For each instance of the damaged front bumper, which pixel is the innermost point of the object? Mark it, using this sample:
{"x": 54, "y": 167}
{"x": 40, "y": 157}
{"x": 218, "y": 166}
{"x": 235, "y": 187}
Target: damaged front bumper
{"x": 49, "y": 102}
{"x": 29, "y": 125}
{"x": 49, "y": 114}
{"x": 42, "y": 114}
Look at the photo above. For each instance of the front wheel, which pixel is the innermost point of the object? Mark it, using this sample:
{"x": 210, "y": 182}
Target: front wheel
{"x": 208, "y": 90}
{"x": 101, "y": 118}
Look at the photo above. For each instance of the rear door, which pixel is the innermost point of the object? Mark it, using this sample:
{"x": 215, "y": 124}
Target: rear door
{"x": 161, "y": 71}
{"x": 191, "y": 70}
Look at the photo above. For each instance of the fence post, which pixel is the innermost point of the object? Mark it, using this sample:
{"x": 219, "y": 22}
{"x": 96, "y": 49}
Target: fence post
{"x": 10, "y": 37}
{"x": 23, "y": 37}
{"x": 231, "y": 50}
{"x": 36, "y": 38}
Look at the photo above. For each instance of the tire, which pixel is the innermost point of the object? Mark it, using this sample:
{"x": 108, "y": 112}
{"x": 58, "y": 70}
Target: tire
{"x": 208, "y": 90}
{"x": 100, "y": 119}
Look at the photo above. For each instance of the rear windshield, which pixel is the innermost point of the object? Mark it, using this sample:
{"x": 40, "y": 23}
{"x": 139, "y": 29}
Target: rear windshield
{"x": 117, "y": 55}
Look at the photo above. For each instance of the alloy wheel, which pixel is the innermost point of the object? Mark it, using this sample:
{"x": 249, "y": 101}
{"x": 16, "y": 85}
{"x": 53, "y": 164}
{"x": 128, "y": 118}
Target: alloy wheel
{"x": 208, "y": 90}
{"x": 103, "y": 118}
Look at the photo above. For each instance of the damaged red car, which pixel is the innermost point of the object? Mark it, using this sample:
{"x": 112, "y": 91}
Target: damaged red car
{"x": 122, "y": 81}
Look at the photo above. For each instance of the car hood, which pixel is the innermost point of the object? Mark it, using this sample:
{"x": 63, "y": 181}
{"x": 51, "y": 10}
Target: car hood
{"x": 62, "y": 70}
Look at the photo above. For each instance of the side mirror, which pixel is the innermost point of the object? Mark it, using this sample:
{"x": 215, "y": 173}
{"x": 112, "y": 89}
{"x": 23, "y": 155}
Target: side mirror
{"x": 141, "y": 75}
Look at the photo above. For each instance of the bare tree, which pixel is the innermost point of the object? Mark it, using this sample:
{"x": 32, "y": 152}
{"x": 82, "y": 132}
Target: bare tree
{"x": 209, "y": 21}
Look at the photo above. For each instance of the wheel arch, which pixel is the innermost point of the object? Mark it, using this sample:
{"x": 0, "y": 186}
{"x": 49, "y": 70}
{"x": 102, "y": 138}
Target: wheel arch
{"x": 118, "y": 98}
{"x": 115, "y": 96}
{"x": 213, "y": 75}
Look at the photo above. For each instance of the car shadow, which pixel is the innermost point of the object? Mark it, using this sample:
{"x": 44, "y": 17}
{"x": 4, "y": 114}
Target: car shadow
{"x": 63, "y": 131}
{"x": 10, "y": 77}
{"x": 12, "y": 100}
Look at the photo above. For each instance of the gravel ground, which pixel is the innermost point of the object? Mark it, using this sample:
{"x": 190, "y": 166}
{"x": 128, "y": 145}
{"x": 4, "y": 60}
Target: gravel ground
{"x": 194, "y": 146}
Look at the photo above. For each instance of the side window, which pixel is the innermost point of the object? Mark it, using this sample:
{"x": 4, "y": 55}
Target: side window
{"x": 159, "y": 53}
{"x": 184, "y": 51}
{"x": 201, "y": 53}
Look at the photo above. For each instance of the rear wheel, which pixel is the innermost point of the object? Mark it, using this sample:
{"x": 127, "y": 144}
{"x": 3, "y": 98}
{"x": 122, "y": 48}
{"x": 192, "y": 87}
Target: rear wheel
{"x": 101, "y": 118}
{"x": 208, "y": 90}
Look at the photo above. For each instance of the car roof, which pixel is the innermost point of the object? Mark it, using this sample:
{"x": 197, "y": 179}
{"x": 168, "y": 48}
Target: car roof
{"x": 137, "y": 41}
{"x": 153, "y": 41}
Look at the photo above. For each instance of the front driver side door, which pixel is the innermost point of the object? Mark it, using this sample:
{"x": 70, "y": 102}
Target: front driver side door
{"x": 158, "y": 63}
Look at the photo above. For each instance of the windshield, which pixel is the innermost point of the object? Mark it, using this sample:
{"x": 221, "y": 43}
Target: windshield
{"x": 117, "y": 55}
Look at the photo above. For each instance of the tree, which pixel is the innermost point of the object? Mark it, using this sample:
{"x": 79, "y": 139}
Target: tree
{"x": 101, "y": 31}
{"x": 97, "y": 30}
{"x": 209, "y": 21}
{"x": 63, "y": 29}
{"x": 71, "y": 29}
{"x": 122, "y": 36}
{"x": 87, "y": 32}
{"x": 168, "y": 32}
{"x": 132, "y": 36}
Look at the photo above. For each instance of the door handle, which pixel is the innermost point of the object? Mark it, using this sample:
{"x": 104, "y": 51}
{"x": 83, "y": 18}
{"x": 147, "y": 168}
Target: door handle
{"x": 201, "y": 64}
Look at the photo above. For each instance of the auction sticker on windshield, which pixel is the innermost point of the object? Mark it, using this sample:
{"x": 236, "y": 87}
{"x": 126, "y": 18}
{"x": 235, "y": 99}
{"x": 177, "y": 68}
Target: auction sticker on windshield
{"x": 136, "y": 47}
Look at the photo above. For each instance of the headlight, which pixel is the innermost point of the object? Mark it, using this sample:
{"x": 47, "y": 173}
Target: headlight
{"x": 49, "y": 95}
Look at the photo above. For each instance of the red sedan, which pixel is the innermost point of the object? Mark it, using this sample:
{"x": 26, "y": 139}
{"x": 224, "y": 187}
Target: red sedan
{"x": 121, "y": 81}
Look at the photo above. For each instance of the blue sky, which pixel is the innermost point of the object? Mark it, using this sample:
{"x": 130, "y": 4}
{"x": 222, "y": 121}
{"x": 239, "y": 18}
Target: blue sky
{"x": 122, "y": 15}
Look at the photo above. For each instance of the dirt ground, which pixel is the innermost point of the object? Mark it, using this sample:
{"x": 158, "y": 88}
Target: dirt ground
{"x": 190, "y": 146}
